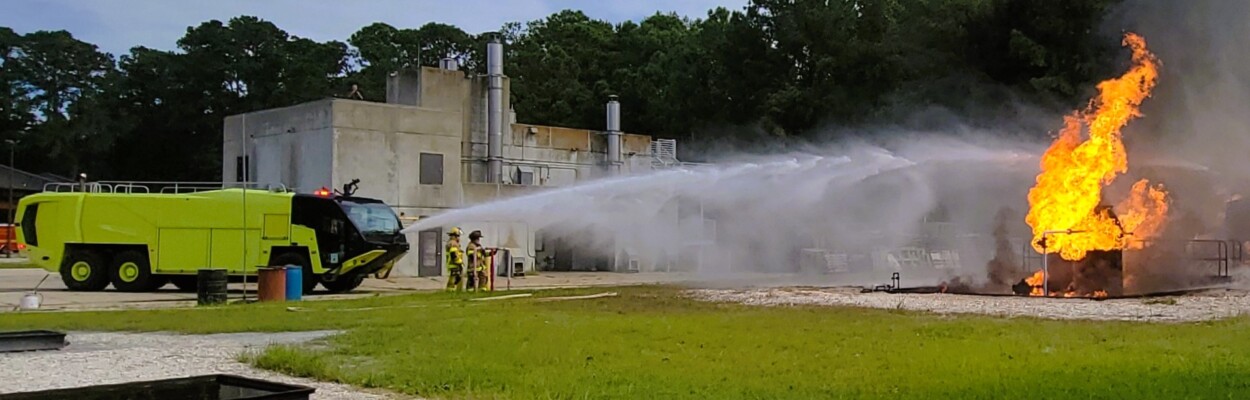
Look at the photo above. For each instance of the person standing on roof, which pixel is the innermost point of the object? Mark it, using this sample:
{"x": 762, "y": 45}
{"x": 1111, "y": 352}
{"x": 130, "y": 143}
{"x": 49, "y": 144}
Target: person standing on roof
{"x": 478, "y": 257}
{"x": 455, "y": 261}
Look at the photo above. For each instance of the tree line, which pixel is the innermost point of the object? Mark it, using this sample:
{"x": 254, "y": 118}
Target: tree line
{"x": 773, "y": 69}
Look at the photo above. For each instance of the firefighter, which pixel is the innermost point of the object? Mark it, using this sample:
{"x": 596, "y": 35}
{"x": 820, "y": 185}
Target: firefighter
{"x": 455, "y": 261}
{"x": 478, "y": 257}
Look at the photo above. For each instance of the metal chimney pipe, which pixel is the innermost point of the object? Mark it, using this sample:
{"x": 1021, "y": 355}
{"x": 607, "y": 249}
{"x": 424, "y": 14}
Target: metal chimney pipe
{"x": 614, "y": 135}
{"x": 494, "y": 111}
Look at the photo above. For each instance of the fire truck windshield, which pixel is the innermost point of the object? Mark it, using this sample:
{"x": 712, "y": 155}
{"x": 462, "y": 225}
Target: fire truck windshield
{"x": 372, "y": 219}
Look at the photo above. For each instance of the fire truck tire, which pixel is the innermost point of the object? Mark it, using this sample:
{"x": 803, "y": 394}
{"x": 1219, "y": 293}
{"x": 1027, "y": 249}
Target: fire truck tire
{"x": 310, "y": 280}
{"x": 84, "y": 270}
{"x": 344, "y": 284}
{"x": 131, "y": 272}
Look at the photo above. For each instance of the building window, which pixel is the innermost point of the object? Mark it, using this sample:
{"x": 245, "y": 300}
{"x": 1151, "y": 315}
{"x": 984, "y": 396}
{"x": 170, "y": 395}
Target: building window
{"x": 240, "y": 165}
{"x": 431, "y": 169}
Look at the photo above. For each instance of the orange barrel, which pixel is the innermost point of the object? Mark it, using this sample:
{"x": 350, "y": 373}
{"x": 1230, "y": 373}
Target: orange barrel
{"x": 271, "y": 284}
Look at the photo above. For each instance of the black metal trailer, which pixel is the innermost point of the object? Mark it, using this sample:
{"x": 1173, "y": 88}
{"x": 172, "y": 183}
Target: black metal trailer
{"x": 31, "y": 341}
{"x": 206, "y": 387}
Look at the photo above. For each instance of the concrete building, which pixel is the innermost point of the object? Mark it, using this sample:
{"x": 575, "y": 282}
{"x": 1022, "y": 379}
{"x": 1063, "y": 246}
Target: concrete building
{"x": 443, "y": 140}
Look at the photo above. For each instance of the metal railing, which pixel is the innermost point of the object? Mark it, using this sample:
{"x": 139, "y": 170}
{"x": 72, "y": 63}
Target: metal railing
{"x": 1236, "y": 252}
{"x": 131, "y": 187}
{"x": 1028, "y": 254}
{"x": 1204, "y": 251}
{"x": 77, "y": 187}
{"x": 1222, "y": 253}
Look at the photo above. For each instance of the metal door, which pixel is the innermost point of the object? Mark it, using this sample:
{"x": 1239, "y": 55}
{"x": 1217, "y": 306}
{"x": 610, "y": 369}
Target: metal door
{"x": 430, "y": 251}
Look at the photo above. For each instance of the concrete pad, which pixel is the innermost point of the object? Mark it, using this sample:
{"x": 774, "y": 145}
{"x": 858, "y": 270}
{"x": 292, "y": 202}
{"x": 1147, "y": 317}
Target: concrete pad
{"x": 14, "y": 283}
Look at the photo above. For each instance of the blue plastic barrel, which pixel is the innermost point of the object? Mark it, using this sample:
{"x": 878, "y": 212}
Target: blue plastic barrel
{"x": 294, "y": 283}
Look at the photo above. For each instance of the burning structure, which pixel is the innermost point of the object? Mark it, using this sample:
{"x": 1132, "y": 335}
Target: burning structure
{"x": 1067, "y": 208}
{"x": 1095, "y": 233}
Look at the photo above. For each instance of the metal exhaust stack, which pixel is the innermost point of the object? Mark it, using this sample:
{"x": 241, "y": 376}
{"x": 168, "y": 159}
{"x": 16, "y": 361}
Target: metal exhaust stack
{"x": 494, "y": 111}
{"x": 614, "y": 136}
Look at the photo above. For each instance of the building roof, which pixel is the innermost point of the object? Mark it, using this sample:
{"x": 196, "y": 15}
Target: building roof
{"x": 26, "y": 181}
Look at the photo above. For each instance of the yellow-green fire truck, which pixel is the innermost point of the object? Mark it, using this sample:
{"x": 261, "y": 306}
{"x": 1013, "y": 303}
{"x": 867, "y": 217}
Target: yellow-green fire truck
{"x": 136, "y": 240}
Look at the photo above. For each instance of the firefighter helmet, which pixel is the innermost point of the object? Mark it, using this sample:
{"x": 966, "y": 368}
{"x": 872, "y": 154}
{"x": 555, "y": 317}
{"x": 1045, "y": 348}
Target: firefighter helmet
{"x": 454, "y": 232}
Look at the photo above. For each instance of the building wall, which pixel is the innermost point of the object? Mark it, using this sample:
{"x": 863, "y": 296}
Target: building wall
{"x": 328, "y": 143}
{"x": 381, "y": 144}
{"x": 292, "y": 146}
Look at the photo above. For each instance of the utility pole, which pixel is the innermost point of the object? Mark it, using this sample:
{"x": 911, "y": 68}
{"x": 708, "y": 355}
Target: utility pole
{"x": 8, "y": 239}
{"x": 247, "y": 161}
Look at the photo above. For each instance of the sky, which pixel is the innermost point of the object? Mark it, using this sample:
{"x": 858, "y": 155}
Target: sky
{"x": 118, "y": 25}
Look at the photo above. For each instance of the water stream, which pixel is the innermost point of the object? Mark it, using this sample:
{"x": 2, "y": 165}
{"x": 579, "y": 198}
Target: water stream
{"x": 766, "y": 206}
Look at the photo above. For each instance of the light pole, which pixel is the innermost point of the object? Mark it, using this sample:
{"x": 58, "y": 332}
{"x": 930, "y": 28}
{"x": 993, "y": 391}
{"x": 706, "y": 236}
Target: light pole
{"x": 8, "y": 239}
{"x": 1046, "y": 259}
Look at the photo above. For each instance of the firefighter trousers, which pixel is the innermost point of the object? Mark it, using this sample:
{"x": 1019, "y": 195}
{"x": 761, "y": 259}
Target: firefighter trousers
{"x": 455, "y": 278}
{"x": 479, "y": 280}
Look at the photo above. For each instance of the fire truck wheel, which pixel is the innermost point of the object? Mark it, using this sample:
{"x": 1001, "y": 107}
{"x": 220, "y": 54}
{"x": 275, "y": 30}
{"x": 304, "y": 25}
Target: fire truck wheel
{"x": 310, "y": 280}
{"x": 130, "y": 273}
{"x": 344, "y": 284}
{"x": 83, "y": 270}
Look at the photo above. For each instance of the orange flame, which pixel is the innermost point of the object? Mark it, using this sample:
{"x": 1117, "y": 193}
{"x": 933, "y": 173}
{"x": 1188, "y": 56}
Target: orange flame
{"x": 1068, "y": 192}
{"x": 1143, "y": 212}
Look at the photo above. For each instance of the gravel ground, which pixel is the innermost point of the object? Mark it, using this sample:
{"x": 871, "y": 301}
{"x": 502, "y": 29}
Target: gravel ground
{"x": 1213, "y": 304}
{"x": 109, "y": 358}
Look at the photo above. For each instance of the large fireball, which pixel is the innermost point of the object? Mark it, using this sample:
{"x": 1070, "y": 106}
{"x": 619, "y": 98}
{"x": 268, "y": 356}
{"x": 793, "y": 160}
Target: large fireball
{"x": 1086, "y": 157}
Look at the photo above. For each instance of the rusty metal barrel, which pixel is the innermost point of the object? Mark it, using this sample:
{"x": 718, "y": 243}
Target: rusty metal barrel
{"x": 271, "y": 284}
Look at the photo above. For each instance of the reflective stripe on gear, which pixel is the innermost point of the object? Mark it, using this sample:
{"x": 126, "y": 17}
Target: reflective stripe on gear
{"x": 455, "y": 256}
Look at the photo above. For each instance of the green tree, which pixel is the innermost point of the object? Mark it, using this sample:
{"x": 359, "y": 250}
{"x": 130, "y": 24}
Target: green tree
{"x": 1050, "y": 48}
{"x": 560, "y": 69}
{"x": 787, "y": 68}
{"x": 243, "y": 65}
{"x": 736, "y": 69}
{"x": 162, "y": 103}
{"x": 62, "y": 79}
{"x": 838, "y": 57}
{"x": 382, "y": 49}
{"x": 656, "y": 75}
{"x": 15, "y": 110}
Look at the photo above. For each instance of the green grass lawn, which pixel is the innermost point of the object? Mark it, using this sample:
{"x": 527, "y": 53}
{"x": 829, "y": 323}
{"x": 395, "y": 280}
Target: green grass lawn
{"x": 12, "y": 265}
{"x": 651, "y": 343}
